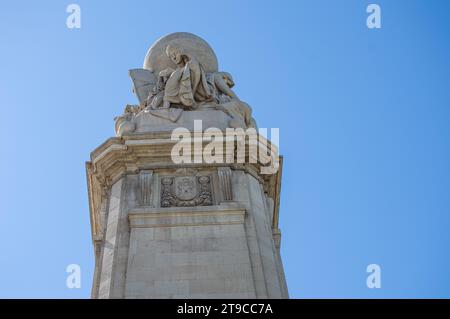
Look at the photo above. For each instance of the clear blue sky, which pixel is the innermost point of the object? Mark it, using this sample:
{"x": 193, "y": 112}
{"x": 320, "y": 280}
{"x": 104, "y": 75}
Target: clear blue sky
{"x": 364, "y": 118}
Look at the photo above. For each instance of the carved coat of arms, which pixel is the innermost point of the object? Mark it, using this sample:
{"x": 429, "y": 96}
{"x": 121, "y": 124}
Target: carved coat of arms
{"x": 183, "y": 191}
{"x": 185, "y": 187}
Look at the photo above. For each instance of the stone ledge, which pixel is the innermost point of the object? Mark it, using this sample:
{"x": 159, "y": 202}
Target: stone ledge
{"x": 224, "y": 214}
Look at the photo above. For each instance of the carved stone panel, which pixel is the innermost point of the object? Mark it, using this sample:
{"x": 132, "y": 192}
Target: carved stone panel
{"x": 185, "y": 191}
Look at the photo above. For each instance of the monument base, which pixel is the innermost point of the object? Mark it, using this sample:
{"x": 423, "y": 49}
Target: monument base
{"x": 181, "y": 231}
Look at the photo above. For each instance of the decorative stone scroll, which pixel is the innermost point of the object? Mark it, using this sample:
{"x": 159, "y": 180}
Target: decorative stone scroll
{"x": 185, "y": 191}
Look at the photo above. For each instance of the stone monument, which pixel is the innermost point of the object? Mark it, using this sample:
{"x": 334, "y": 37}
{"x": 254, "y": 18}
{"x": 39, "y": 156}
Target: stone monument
{"x": 203, "y": 224}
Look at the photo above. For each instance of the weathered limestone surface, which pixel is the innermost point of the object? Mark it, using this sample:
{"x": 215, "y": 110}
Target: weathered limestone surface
{"x": 189, "y": 230}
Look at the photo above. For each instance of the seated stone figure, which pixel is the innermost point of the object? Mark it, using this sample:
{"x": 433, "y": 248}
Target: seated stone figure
{"x": 188, "y": 84}
{"x": 179, "y": 77}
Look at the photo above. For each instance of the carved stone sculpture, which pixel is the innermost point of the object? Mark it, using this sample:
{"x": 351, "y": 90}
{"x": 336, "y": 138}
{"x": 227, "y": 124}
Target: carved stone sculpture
{"x": 181, "y": 74}
{"x": 188, "y": 84}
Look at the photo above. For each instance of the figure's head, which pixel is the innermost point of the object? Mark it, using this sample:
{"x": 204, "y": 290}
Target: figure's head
{"x": 174, "y": 53}
{"x": 228, "y": 79}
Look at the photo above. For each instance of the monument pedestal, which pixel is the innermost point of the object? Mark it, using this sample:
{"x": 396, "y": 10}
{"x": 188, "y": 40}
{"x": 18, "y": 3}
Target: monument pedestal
{"x": 164, "y": 230}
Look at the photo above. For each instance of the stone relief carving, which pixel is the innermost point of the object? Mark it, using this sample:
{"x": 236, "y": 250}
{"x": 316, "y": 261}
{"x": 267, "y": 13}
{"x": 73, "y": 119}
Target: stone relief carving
{"x": 185, "y": 191}
{"x": 180, "y": 74}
